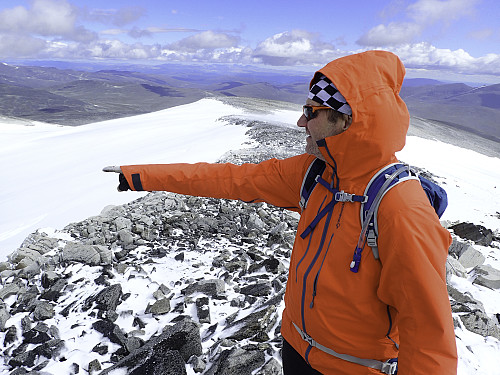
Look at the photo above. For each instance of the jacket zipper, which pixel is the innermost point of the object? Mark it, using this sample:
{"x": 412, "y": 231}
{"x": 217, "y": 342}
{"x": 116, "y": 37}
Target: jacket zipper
{"x": 308, "y": 244}
{"x": 311, "y": 265}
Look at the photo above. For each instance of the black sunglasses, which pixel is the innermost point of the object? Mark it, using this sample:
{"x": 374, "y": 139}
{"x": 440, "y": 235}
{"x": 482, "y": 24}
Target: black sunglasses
{"x": 309, "y": 111}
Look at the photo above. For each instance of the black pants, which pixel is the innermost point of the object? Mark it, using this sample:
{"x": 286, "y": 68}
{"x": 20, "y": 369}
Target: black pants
{"x": 294, "y": 364}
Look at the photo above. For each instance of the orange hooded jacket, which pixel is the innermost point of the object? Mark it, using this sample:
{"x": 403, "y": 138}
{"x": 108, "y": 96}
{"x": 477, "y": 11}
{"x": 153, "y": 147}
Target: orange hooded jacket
{"x": 403, "y": 295}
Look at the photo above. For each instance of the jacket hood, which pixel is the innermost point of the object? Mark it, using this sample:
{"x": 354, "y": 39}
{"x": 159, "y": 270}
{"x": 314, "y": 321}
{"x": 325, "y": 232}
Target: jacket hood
{"x": 370, "y": 82}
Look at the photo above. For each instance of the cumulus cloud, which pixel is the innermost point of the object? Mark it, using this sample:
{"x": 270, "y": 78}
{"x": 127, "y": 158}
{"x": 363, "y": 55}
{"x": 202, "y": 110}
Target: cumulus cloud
{"x": 394, "y": 33}
{"x": 294, "y": 48}
{"x": 422, "y": 14}
{"x": 426, "y": 56}
{"x": 45, "y": 17}
{"x": 20, "y": 46}
{"x": 48, "y": 18}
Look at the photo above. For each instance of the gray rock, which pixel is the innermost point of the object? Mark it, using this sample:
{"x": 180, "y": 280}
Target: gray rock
{"x": 55, "y": 291}
{"x": 23, "y": 359}
{"x": 111, "y": 331}
{"x": 160, "y": 307}
{"x": 463, "y": 302}
{"x": 259, "y": 289}
{"x": 107, "y": 299}
{"x": 165, "y": 354}
{"x": 94, "y": 366}
{"x": 4, "y": 316}
{"x": 105, "y": 254}
{"x": 123, "y": 223}
{"x": 126, "y": 237}
{"x": 457, "y": 247}
{"x": 272, "y": 367}
{"x": 10, "y": 336}
{"x": 43, "y": 310}
{"x": 478, "y": 322}
{"x": 477, "y": 233}
{"x": 249, "y": 326}
{"x": 77, "y": 252}
{"x": 209, "y": 287}
{"x": 203, "y": 310}
{"x": 238, "y": 361}
{"x": 49, "y": 278}
{"x": 197, "y": 364}
{"x": 11, "y": 289}
{"x": 255, "y": 222}
{"x": 487, "y": 276}
{"x": 471, "y": 258}
{"x": 454, "y": 267}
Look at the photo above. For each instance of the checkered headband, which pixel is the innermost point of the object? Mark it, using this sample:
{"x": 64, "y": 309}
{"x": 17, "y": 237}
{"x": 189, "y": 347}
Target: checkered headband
{"x": 325, "y": 93}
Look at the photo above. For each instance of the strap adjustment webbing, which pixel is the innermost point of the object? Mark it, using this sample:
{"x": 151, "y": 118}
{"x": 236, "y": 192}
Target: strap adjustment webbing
{"x": 389, "y": 367}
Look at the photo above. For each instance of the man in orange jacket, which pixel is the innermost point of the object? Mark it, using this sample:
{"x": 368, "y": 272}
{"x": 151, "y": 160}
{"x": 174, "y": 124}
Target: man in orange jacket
{"x": 337, "y": 321}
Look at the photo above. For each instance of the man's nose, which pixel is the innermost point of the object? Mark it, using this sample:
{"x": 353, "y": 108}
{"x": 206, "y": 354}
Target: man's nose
{"x": 302, "y": 121}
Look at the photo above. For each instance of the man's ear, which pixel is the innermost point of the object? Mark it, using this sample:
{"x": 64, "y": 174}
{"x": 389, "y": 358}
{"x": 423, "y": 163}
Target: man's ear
{"x": 347, "y": 122}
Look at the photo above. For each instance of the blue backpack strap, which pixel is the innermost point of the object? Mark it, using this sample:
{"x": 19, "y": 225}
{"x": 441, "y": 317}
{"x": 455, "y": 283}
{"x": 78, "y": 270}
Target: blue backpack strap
{"x": 315, "y": 170}
{"x": 384, "y": 180}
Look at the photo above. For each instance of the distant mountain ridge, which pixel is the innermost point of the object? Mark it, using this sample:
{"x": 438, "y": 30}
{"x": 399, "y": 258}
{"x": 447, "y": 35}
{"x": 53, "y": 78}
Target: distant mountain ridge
{"x": 73, "y": 97}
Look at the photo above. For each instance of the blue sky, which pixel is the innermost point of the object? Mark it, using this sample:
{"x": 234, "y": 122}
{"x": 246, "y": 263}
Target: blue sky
{"x": 453, "y": 39}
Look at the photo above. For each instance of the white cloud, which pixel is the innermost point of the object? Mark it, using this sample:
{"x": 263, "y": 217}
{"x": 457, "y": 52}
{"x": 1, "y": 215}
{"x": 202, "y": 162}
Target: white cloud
{"x": 393, "y": 34}
{"x": 20, "y": 46}
{"x": 45, "y": 17}
{"x": 431, "y": 11}
{"x": 207, "y": 40}
{"x": 48, "y": 18}
{"x": 422, "y": 14}
{"x": 426, "y": 56}
{"x": 293, "y": 48}
{"x": 113, "y": 32}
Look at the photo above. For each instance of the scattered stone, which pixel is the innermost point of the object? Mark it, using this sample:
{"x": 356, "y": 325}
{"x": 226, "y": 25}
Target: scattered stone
{"x": 238, "y": 361}
{"x": 43, "y": 310}
{"x": 165, "y": 354}
{"x": 4, "y": 316}
{"x": 477, "y": 233}
{"x": 471, "y": 258}
{"x": 203, "y": 310}
{"x": 249, "y": 247}
{"x": 197, "y": 364}
{"x": 94, "y": 366}
{"x": 161, "y": 306}
{"x": 487, "y": 276}
{"x": 272, "y": 367}
{"x": 458, "y": 247}
{"x": 259, "y": 289}
{"x": 211, "y": 288}
{"x": 10, "y": 336}
{"x": 49, "y": 278}
{"x": 478, "y": 322}
{"x": 80, "y": 253}
{"x": 249, "y": 326}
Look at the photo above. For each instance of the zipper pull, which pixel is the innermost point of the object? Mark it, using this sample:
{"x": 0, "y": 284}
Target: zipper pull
{"x": 314, "y": 290}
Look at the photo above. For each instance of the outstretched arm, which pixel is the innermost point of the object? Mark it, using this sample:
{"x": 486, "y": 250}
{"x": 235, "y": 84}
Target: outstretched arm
{"x": 273, "y": 181}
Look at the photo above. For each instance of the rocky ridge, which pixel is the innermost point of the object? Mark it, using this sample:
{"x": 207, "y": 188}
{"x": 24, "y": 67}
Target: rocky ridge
{"x": 172, "y": 284}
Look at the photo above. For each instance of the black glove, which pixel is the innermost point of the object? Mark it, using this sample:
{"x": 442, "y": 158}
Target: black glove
{"x": 123, "y": 185}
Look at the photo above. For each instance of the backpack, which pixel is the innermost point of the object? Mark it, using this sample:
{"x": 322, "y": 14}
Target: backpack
{"x": 384, "y": 180}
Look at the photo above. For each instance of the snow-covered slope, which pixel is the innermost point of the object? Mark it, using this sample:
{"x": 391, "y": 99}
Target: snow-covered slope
{"x": 52, "y": 175}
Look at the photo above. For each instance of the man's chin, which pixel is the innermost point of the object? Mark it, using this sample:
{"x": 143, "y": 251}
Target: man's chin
{"x": 314, "y": 151}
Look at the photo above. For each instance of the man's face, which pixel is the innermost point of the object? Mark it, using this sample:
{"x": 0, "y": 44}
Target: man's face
{"x": 318, "y": 128}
